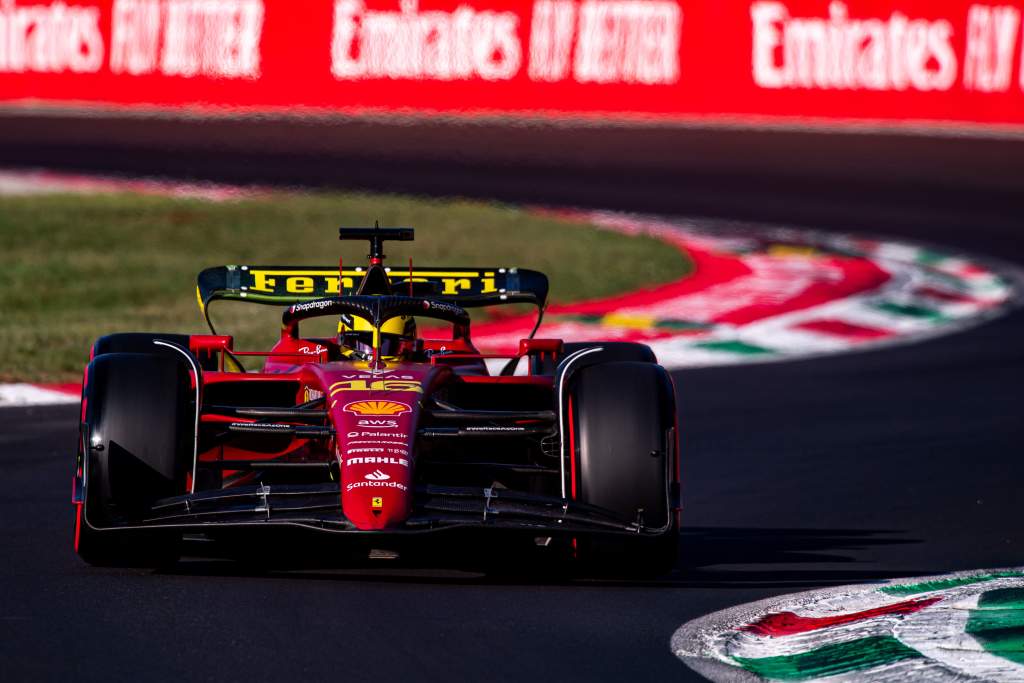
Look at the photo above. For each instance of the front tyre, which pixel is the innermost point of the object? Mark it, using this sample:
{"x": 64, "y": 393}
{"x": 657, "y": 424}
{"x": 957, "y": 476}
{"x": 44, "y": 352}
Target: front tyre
{"x": 136, "y": 445}
{"x": 624, "y": 444}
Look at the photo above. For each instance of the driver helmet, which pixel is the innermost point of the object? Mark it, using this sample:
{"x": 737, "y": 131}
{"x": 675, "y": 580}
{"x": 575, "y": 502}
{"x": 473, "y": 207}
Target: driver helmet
{"x": 397, "y": 336}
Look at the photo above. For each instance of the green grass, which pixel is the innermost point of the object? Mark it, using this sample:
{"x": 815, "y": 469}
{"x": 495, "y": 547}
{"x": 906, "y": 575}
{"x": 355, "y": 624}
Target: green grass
{"x": 75, "y": 267}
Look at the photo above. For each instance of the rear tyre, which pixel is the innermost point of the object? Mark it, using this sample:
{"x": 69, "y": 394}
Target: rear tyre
{"x": 137, "y": 448}
{"x": 624, "y": 436}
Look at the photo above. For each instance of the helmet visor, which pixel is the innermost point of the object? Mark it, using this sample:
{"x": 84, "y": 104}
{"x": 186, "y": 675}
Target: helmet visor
{"x": 390, "y": 344}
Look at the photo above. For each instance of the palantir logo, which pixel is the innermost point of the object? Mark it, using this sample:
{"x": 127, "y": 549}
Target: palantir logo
{"x": 377, "y": 475}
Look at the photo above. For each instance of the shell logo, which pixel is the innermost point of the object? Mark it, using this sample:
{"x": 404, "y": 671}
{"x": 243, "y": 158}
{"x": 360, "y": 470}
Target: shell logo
{"x": 377, "y": 408}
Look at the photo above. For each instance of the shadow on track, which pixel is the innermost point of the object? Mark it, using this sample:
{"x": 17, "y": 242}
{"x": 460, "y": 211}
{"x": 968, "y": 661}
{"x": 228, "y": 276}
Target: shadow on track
{"x": 737, "y": 558}
{"x": 722, "y": 558}
{"x": 706, "y": 546}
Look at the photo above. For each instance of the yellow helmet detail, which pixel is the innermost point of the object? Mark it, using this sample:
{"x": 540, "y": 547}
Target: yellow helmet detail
{"x": 397, "y": 336}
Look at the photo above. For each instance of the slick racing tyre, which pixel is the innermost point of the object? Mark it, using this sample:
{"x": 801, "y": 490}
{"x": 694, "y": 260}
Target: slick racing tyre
{"x": 624, "y": 437}
{"x": 137, "y": 447}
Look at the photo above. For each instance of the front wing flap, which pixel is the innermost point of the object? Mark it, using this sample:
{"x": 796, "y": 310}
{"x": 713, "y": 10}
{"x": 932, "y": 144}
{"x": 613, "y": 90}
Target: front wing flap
{"x": 435, "y": 508}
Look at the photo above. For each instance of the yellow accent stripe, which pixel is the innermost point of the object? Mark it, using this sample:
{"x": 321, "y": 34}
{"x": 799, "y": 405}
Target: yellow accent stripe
{"x": 635, "y": 322}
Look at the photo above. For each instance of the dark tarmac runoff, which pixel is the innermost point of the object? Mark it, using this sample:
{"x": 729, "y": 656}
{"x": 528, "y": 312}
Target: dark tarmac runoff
{"x": 852, "y": 468}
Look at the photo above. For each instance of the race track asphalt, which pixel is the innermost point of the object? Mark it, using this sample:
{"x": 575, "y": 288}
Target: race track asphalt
{"x": 830, "y": 471}
{"x": 796, "y": 475}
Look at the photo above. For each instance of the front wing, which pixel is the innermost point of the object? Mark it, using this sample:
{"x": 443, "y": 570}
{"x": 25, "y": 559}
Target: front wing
{"x": 435, "y": 508}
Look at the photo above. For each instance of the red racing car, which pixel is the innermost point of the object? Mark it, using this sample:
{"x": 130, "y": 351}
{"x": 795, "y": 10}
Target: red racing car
{"x": 376, "y": 435}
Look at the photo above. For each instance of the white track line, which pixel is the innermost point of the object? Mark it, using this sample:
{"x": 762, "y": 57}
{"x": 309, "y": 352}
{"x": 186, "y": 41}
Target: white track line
{"x": 31, "y": 395}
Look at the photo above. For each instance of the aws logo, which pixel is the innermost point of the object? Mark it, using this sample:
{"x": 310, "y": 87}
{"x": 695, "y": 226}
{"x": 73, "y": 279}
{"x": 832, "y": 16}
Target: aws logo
{"x": 378, "y": 423}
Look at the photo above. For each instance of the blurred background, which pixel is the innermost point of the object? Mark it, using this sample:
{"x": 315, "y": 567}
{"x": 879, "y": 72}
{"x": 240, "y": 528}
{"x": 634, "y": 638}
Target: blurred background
{"x": 847, "y": 116}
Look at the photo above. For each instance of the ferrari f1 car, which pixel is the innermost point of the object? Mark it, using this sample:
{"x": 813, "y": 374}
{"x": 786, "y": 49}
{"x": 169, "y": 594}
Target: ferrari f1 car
{"x": 376, "y": 432}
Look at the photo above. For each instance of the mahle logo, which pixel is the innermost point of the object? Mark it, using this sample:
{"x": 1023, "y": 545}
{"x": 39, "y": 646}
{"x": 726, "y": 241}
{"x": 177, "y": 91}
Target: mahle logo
{"x": 376, "y": 460}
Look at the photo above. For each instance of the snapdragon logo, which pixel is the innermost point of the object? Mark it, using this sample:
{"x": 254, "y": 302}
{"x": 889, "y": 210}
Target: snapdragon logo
{"x": 319, "y": 304}
{"x": 441, "y": 306}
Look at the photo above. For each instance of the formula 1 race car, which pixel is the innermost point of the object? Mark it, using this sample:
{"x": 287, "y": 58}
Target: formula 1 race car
{"x": 376, "y": 435}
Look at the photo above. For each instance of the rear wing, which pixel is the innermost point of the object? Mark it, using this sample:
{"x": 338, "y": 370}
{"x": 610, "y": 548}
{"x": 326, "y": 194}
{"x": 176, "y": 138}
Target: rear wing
{"x": 288, "y": 285}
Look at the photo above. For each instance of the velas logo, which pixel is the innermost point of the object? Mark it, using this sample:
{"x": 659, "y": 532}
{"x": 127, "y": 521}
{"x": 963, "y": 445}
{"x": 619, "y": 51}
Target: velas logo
{"x": 376, "y": 475}
{"x": 376, "y": 408}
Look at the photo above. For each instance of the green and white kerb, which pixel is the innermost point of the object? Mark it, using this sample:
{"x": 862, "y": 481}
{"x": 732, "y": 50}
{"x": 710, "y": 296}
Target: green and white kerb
{"x": 956, "y": 627}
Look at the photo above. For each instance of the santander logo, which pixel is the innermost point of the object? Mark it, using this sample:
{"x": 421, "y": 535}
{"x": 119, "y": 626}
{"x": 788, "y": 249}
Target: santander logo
{"x": 376, "y": 475}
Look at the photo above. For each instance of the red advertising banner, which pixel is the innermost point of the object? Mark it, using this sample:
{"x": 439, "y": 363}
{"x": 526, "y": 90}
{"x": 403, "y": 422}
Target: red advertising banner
{"x": 946, "y": 63}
